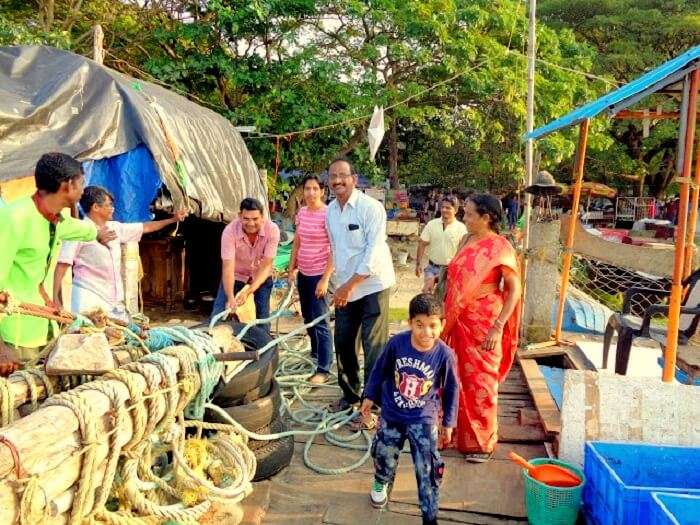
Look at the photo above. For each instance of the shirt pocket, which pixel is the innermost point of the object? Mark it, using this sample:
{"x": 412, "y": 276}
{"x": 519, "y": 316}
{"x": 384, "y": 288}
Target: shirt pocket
{"x": 356, "y": 239}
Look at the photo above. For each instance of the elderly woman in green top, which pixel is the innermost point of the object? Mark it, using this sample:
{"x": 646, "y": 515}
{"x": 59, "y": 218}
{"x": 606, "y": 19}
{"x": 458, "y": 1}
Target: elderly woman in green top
{"x": 31, "y": 231}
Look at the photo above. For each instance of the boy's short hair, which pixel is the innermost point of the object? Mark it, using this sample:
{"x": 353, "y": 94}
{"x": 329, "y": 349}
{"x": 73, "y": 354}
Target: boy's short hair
{"x": 53, "y": 169}
{"x": 425, "y": 304}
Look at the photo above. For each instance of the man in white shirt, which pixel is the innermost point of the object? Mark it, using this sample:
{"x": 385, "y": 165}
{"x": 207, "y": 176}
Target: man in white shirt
{"x": 364, "y": 274}
{"x": 441, "y": 237}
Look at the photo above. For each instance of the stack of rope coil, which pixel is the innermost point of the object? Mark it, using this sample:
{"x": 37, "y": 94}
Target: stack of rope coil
{"x": 161, "y": 473}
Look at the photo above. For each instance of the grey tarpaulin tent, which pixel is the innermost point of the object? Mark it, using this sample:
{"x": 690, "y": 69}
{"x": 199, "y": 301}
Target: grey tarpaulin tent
{"x": 53, "y": 100}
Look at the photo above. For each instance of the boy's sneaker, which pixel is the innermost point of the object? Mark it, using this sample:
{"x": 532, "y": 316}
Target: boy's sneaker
{"x": 378, "y": 495}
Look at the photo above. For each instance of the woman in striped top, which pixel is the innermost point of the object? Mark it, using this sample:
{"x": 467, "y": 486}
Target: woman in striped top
{"x": 312, "y": 265}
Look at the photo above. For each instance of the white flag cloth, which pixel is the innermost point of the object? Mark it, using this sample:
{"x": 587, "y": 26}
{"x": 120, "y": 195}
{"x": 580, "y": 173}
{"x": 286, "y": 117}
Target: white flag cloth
{"x": 375, "y": 132}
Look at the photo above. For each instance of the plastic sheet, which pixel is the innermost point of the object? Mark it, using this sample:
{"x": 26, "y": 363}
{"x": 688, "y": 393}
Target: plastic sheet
{"x": 132, "y": 178}
{"x": 53, "y": 100}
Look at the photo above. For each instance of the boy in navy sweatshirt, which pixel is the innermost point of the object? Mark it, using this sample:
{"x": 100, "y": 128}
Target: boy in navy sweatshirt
{"x": 412, "y": 380}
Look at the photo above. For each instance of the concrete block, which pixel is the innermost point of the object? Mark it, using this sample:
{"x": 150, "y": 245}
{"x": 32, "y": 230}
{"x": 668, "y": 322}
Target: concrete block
{"x": 601, "y": 407}
{"x": 541, "y": 279}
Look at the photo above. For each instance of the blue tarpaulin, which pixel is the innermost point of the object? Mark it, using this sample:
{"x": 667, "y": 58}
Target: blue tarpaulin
{"x": 666, "y": 73}
{"x": 132, "y": 178}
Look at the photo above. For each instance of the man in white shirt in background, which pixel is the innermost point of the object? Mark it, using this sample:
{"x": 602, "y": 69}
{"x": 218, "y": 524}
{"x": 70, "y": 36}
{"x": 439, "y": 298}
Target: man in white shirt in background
{"x": 363, "y": 277}
{"x": 441, "y": 237}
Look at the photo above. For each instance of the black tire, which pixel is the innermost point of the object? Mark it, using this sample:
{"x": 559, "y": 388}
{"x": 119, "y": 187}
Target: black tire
{"x": 255, "y": 374}
{"x": 255, "y": 414}
{"x": 257, "y": 393}
{"x": 276, "y": 426}
{"x": 273, "y": 457}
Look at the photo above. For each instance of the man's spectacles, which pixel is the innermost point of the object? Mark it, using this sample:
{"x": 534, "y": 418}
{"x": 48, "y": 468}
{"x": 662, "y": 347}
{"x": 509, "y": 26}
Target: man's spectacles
{"x": 336, "y": 176}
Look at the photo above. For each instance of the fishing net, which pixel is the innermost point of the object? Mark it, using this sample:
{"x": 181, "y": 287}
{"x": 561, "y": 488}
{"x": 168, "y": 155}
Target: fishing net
{"x": 606, "y": 284}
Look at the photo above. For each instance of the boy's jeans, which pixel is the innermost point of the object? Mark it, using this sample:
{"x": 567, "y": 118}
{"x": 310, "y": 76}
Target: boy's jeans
{"x": 429, "y": 467}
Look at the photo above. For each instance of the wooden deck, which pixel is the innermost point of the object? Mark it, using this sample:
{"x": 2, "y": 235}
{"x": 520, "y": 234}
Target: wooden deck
{"x": 487, "y": 494}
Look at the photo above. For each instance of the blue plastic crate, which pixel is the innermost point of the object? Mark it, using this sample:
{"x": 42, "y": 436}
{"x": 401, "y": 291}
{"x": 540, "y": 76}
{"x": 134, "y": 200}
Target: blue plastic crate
{"x": 674, "y": 509}
{"x": 620, "y": 478}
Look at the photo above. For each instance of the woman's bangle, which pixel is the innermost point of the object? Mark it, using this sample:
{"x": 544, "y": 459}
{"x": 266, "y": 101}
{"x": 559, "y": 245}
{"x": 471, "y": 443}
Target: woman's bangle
{"x": 499, "y": 324}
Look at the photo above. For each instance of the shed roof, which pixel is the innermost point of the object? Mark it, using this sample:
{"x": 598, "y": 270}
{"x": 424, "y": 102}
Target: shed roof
{"x": 665, "y": 78}
{"x": 54, "y": 100}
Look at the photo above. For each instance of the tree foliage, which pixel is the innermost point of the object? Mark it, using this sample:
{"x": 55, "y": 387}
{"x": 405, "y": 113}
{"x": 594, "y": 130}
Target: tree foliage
{"x": 451, "y": 72}
{"x": 631, "y": 37}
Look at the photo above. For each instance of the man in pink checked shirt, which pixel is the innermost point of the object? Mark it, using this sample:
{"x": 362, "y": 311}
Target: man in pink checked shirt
{"x": 248, "y": 248}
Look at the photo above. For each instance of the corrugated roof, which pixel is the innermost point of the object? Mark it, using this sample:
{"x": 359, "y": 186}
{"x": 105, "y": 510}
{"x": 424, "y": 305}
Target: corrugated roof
{"x": 657, "y": 78}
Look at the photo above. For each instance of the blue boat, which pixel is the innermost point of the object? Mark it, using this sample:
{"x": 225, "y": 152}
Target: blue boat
{"x": 582, "y": 313}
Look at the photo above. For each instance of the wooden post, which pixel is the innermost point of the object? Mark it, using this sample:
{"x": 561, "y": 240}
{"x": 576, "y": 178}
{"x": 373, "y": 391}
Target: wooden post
{"x": 566, "y": 266}
{"x": 679, "y": 261}
{"x": 693, "y": 219}
{"x": 98, "y": 37}
{"x": 48, "y": 439}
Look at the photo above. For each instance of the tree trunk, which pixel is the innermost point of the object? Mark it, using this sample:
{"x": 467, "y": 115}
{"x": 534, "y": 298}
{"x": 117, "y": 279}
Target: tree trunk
{"x": 393, "y": 156}
{"x": 640, "y": 188}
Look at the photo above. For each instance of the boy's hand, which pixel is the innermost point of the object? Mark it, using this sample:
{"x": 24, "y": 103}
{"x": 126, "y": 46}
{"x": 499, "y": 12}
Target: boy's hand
{"x": 444, "y": 437}
{"x": 366, "y": 407}
{"x": 448, "y": 435}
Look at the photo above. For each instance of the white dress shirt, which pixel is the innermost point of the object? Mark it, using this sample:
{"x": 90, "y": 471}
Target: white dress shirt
{"x": 358, "y": 243}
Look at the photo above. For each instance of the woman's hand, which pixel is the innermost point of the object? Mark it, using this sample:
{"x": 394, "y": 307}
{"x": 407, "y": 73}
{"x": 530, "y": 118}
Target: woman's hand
{"x": 493, "y": 338}
{"x": 322, "y": 288}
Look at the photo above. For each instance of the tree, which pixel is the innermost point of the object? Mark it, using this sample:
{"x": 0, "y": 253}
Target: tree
{"x": 631, "y": 37}
{"x": 450, "y": 72}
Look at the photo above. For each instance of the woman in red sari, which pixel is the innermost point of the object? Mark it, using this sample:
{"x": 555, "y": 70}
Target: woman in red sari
{"x": 482, "y": 308}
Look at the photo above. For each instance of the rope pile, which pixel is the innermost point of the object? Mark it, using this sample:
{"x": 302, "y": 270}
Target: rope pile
{"x": 295, "y": 367}
{"x": 162, "y": 472}
{"x": 180, "y": 489}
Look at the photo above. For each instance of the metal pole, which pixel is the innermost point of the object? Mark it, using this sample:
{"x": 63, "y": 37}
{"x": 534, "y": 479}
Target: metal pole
{"x": 679, "y": 260}
{"x": 693, "y": 219}
{"x": 573, "y": 222}
{"x": 529, "y": 125}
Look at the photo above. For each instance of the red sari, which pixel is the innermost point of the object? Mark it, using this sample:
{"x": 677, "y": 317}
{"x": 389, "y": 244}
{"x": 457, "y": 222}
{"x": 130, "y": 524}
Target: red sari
{"x": 473, "y": 302}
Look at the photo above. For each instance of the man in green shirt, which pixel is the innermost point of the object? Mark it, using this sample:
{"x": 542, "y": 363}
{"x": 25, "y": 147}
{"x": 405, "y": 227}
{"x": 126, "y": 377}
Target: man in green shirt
{"x": 31, "y": 231}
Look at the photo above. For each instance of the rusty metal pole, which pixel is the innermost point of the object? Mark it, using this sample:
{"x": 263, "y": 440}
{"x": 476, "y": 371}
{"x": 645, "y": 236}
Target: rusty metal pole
{"x": 678, "y": 263}
{"x": 693, "y": 219}
{"x": 566, "y": 266}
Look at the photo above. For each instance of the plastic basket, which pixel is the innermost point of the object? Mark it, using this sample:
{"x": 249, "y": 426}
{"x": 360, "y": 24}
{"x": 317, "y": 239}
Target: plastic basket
{"x": 622, "y": 476}
{"x": 547, "y": 505}
{"x": 674, "y": 509}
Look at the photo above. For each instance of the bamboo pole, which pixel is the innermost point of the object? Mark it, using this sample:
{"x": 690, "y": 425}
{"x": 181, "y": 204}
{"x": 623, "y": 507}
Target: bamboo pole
{"x": 566, "y": 267}
{"x": 529, "y": 144}
{"x": 47, "y": 442}
{"x": 677, "y": 286}
{"x": 693, "y": 219}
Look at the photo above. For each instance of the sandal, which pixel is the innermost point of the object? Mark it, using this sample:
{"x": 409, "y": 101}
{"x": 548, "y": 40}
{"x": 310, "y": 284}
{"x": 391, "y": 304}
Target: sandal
{"x": 478, "y": 457}
{"x": 319, "y": 378}
{"x": 363, "y": 423}
{"x": 339, "y": 405}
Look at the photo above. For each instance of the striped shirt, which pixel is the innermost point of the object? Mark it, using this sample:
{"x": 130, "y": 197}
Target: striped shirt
{"x": 314, "y": 244}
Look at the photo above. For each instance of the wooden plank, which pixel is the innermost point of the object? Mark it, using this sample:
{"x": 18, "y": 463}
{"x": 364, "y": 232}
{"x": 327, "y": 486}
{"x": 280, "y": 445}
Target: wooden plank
{"x": 579, "y": 359}
{"x": 537, "y": 353}
{"x": 511, "y": 431}
{"x": 547, "y": 409}
{"x": 513, "y": 388}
